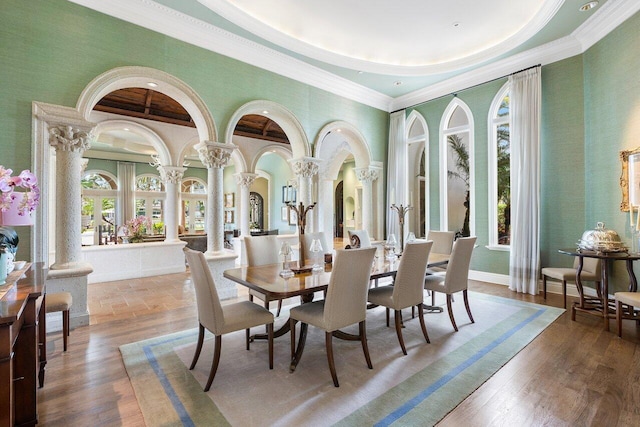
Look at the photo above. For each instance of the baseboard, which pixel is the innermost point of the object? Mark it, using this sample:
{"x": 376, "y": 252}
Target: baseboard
{"x": 553, "y": 287}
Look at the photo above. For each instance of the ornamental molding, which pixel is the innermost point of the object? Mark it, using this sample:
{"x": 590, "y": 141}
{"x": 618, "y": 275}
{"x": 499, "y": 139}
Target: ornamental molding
{"x": 214, "y": 154}
{"x": 245, "y": 179}
{"x": 367, "y": 175}
{"x": 305, "y": 168}
{"x": 69, "y": 138}
{"x": 171, "y": 174}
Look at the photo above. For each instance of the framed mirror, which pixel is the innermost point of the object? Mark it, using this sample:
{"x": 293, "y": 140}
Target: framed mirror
{"x": 630, "y": 178}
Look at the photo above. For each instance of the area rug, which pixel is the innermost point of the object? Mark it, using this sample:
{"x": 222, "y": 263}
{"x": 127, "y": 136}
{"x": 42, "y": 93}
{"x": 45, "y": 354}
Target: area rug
{"x": 417, "y": 389}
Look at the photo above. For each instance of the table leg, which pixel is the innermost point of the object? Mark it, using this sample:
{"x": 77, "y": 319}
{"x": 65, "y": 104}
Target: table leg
{"x": 633, "y": 283}
{"x": 301, "y": 342}
{"x": 284, "y": 328}
{"x": 605, "y": 292}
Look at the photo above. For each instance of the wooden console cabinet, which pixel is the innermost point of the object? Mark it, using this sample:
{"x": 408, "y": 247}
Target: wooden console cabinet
{"x": 22, "y": 346}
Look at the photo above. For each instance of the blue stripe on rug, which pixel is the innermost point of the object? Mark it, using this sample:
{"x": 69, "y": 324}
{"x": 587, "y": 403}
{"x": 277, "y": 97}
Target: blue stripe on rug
{"x": 185, "y": 419}
{"x": 411, "y": 404}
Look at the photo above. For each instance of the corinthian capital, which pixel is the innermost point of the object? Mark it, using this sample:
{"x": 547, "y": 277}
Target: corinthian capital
{"x": 69, "y": 138}
{"x": 366, "y": 174}
{"x": 245, "y": 179}
{"x": 214, "y": 154}
{"x": 305, "y": 167}
{"x": 171, "y": 174}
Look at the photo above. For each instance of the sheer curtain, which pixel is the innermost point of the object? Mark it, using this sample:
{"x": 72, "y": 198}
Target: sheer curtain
{"x": 126, "y": 191}
{"x": 396, "y": 170}
{"x": 525, "y": 92}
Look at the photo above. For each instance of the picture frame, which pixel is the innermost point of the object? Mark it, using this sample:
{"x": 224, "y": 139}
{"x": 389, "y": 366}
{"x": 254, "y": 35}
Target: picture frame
{"x": 293, "y": 217}
{"x": 228, "y": 217}
{"x": 229, "y": 200}
{"x": 284, "y": 213}
{"x": 629, "y": 183}
{"x": 288, "y": 194}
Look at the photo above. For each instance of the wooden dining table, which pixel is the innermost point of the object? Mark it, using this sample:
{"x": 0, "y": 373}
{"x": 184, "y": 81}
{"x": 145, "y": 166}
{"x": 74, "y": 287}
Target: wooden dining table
{"x": 266, "y": 280}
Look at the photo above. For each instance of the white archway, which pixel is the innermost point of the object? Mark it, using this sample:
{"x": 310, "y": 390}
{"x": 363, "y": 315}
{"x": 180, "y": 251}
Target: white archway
{"x": 150, "y": 135}
{"x": 417, "y": 138}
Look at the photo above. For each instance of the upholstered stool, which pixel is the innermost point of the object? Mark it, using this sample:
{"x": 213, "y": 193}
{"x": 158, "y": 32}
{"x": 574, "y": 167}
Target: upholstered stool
{"x": 631, "y": 300}
{"x": 61, "y": 301}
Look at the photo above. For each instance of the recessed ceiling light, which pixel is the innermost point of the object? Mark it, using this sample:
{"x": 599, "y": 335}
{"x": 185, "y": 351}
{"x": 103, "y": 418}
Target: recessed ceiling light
{"x": 360, "y": 72}
{"x": 397, "y": 83}
{"x": 152, "y": 84}
{"x": 126, "y": 129}
{"x": 265, "y": 112}
{"x": 338, "y": 130}
{"x": 456, "y": 24}
{"x": 588, "y": 6}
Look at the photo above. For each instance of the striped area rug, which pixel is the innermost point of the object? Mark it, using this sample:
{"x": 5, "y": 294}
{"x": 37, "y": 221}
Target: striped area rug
{"x": 417, "y": 389}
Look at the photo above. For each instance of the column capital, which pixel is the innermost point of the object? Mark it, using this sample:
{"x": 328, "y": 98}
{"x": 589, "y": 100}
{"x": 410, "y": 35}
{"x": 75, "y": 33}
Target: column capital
{"x": 65, "y": 137}
{"x": 367, "y": 174}
{"x": 171, "y": 174}
{"x": 214, "y": 154}
{"x": 305, "y": 167}
{"x": 245, "y": 179}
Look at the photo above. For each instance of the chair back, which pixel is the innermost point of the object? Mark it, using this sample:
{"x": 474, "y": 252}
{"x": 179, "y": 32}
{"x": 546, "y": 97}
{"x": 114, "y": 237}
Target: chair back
{"x": 308, "y": 238}
{"x": 359, "y": 238}
{"x": 457, "y": 276}
{"x": 262, "y": 250}
{"x": 442, "y": 241}
{"x": 210, "y": 314}
{"x": 589, "y": 265}
{"x": 408, "y": 286}
{"x": 346, "y": 300}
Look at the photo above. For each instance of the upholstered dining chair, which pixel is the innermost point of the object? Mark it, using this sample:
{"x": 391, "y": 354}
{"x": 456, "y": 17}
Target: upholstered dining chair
{"x": 262, "y": 250}
{"x": 442, "y": 244}
{"x": 626, "y": 305}
{"x": 456, "y": 278}
{"x": 407, "y": 289}
{"x": 344, "y": 305}
{"x": 219, "y": 319}
{"x": 359, "y": 239}
{"x": 591, "y": 271}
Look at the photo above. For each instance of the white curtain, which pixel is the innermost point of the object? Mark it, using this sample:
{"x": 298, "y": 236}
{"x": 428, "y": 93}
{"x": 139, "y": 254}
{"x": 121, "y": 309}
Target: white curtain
{"x": 525, "y": 93}
{"x": 396, "y": 170}
{"x": 126, "y": 190}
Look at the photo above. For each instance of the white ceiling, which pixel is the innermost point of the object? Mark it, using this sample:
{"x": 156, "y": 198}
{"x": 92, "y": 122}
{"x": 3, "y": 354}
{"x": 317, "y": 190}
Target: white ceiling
{"x": 388, "y": 55}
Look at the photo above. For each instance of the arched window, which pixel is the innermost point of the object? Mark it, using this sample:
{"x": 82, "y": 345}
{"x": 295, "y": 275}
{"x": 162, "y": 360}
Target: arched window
{"x": 193, "y": 193}
{"x": 457, "y": 203}
{"x": 99, "y": 197}
{"x": 418, "y": 158}
{"x": 150, "y": 196}
{"x": 499, "y": 171}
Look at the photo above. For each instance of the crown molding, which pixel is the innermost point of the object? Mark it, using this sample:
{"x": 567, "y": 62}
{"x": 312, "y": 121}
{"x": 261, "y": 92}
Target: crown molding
{"x": 159, "y": 18}
{"x": 153, "y": 16}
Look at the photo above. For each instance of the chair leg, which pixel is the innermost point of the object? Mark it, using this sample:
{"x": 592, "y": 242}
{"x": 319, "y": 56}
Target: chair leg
{"x": 279, "y": 308}
{"x": 564, "y": 292}
{"x": 65, "y": 329}
{"x": 396, "y": 317}
{"x": 433, "y": 298}
{"x": 422, "y": 324}
{"x": 270, "y": 337}
{"x": 198, "y": 347}
{"x": 453, "y": 321}
{"x": 619, "y": 317}
{"x": 216, "y": 360}
{"x": 292, "y": 332}
{"x": 363, "y": 338}
{"x": 387, "y": 309}
{"x": 247, "y": 337}
{"x": 328, "y": 337}
{"x": 466, "y": 304}
{"x": 544, "y": 286}
{"x": 250, "y": 297}
{"x": 413, "y": 312}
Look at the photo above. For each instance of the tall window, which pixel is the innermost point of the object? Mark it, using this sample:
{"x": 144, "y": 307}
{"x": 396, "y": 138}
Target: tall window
{"x": 417, "y": 136}
{"x": 194, "y": 201}
{"x": 99, "y": 193}
{"x": 457, "y": 205}
{"x": 150, "y": 195}
{"x": 499, "y": 171}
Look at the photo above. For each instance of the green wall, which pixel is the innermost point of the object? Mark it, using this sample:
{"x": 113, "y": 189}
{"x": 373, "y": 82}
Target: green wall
{"x": 50, "y": 51}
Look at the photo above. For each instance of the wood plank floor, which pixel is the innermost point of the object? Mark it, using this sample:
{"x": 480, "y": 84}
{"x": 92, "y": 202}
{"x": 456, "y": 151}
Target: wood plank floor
{"x": 574, "y": 373}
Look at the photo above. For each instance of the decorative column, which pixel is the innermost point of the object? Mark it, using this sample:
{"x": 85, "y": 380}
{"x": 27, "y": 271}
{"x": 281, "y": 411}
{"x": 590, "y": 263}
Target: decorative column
{"x": 172, "y": 177}
{"x": 69, "y": 143}
{"x": 215, "y": 156}
{"x": 366, "y": 176}
{"x": 305, "y": 168}
{"x": 244, "y": 181}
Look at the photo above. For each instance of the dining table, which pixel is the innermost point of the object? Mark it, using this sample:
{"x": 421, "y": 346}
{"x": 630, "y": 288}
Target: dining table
{"x": 266, "y": 280}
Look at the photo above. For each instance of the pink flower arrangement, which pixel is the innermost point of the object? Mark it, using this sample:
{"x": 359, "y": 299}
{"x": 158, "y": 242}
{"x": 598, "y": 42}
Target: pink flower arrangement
{"x": 28, "y": 200}
{"x": 136, "y": 227}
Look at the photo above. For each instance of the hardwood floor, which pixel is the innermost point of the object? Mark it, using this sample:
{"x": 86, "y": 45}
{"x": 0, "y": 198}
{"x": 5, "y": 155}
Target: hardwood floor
{"x": 574, "y": 373}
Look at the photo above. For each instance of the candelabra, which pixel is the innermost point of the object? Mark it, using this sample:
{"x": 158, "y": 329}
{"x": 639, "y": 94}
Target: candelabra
{"x": 301, "y": 214}
{"x": 402, "y": 211}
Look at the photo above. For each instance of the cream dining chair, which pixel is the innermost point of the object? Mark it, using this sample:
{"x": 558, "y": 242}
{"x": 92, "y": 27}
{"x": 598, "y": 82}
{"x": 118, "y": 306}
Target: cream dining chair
{"x": 591, "y": 271}
{"x": 442, "y": 244}
{"x": 456, "y": 278}
{"x": 219, "y": 319}
{"x": 262, "y": 250}
{"x": 407, "y": 289}
{"x": 344, "y": 305}
{"x": 359, "y": 239}
{"x": 627, "y": 304}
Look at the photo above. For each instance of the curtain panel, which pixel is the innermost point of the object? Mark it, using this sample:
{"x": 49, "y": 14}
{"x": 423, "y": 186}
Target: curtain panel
{"x": 396, "y": 170}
